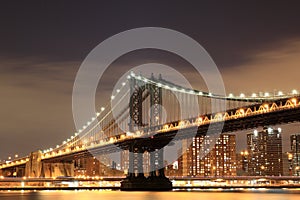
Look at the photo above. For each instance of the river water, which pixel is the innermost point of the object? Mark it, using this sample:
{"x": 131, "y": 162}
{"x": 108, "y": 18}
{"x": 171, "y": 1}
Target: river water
{"x": 174, "y": 195}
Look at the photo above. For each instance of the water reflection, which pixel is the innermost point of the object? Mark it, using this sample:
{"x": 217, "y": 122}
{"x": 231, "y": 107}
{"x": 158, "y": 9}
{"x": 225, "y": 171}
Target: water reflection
{"x": 175, "y": 195}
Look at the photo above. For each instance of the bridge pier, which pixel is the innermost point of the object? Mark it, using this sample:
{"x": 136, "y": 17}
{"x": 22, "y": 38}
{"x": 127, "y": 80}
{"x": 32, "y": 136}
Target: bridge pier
{"x": 33, "y": 167}
{"x": 136, "y": 180}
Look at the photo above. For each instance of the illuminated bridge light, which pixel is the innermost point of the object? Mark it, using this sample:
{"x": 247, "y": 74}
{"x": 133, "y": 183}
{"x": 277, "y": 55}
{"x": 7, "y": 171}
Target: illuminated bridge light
{"x": 192, "y": 92}
{"x": 254, "y": 95}
{"x": 230, "y": 95}
{"x": 167, "y": 87}
{"x": 174, "y": 89}
{"x": 102, "y": 108}
{"x": 280, "y": 93}
{"x": 255, "y": 133}
{"x": 242, "y": 111}
{"x": 181, "y": 124}
{"x": 123, "y": 84}
{"x": 294, "y": 100}
{"x": 279, "y": 130}
{"x": 128, "y": 77}
{"x": 166, "y": 127}
{"x": 294, "y": 92}
{"x": 200, "y": 93}
{"x": 97, "y": 114}
{"x": 266, "y": 106}
{"x": 112, "y": 97}
{"x": 199, "y": 119}
{"x": 129, "y": 134}
{"x": 267, "y": 94}
{"x": 242, "y": 95}
{"x": 270, "y": 130}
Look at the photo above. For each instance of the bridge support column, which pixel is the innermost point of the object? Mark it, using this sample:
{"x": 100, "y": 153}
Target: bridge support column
{"x": 135, "y": 163}
{"x": 33, "y": 167}
{"x": 152, "y": 164}
{"x": 160, "y": 162}
{"x": 130, "y": 173}
{"x": 136, "y": 180}
{"x": 139, "y": 164}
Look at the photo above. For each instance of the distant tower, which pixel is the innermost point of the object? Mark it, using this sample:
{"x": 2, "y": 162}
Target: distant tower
{"x": 295, "y": 150}
{"x": 265, "y": 152}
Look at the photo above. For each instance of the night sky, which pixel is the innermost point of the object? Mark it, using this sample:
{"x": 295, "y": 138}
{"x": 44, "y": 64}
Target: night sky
{"x": 255, "y": 44}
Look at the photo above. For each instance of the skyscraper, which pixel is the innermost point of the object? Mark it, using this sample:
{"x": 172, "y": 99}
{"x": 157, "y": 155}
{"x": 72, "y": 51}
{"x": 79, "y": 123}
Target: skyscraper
{"x": 265, "y": 152}
{"x": 295, "y": 151}
{"x": 199, "y": 161}
{"x": 242, "y": 163}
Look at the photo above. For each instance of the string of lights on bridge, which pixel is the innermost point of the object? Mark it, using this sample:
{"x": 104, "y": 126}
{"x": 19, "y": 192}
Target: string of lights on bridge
{"x": 266, "y": 107}
{"x": 242, "y": 96}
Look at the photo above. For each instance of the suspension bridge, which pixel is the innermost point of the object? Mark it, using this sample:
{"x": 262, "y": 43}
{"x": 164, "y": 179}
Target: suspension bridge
{"x": 147, "y": 114}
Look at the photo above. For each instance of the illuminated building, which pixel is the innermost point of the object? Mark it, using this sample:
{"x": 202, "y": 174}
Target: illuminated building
{"x": 242, "y": 163}
{"x": 199, "y": 160}
{"x": 265, "y": 152}
{"x": 96, "y": 166}
{"x": 295, "y": 154}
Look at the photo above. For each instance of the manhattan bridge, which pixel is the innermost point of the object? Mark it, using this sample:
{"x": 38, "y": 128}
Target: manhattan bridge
{"x": 148, "y": 114}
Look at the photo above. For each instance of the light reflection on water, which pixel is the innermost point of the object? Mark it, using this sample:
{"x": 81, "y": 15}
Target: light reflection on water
{"x": 118, "y": 195}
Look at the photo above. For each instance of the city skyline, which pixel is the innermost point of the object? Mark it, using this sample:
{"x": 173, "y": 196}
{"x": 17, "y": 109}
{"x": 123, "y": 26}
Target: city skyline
{"x": 40, "y": 58}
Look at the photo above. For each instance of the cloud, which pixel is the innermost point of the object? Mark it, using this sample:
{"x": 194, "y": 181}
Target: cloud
{"x": 272, "y": 69}
{"x": 35, "y": 104}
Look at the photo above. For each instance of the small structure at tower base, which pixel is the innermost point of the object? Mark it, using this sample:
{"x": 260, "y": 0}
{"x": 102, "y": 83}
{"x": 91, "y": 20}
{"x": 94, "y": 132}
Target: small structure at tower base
{"x": 146, "y": 184}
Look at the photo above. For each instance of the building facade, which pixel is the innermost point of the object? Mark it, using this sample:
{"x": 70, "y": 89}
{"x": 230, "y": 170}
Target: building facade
{"x": 265, "y": 152}
{"x": 295, "y": 154}
{"x": 201, "y": 159}
{"x": 242, "y": 163}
